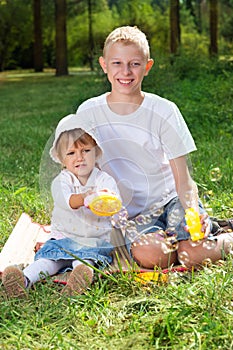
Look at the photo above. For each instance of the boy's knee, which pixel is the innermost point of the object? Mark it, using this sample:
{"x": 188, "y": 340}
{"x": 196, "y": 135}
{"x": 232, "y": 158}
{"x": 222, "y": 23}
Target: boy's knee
{"x": 151, "y": 256}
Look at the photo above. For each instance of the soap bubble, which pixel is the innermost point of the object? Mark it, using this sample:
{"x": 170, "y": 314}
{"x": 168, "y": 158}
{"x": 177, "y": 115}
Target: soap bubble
{"x": 215, "y": 174}
{"x": 143, "y": 219}
{"x": 156, "y": 211}
{"x": 184, "y": 258}
{"x": 171, "y": 240}
{"x": 175, "y": 218}
{"x": 195, "y": 243}
{"x": 210, "y": 244}
{"x": 119, "y": 220}
{"x": 207, "y": 262}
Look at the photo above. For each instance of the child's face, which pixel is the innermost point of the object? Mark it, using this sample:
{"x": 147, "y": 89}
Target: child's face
{"x": 126, "y": 67}
{"x": 80, "y": 159}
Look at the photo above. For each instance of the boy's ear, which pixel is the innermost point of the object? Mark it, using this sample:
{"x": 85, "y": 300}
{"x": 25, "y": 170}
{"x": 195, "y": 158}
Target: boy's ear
{"x": 149, "y": 65}
{"x": 102, "y": 64}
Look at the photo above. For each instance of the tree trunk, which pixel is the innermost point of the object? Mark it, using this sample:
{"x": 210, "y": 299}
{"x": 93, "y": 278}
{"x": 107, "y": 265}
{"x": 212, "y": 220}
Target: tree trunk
{"x": 61, "y": 39}
{"x": 38, "y": 46}
{"x": 91, "y": 40}
{"x": 199, "y": 16}
{"x": 174, "y": 26}
{"x": 213, "y": 27}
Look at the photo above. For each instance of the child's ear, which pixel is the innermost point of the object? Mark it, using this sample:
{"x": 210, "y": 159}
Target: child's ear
{"x": 102, "y": 64}
{"x": 149, "y": 65}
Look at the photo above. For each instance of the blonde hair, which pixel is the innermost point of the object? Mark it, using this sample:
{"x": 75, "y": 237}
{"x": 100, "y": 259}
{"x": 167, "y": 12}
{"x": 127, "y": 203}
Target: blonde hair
{"x": 76, "y": 137}
{"x": 128, "y": 35}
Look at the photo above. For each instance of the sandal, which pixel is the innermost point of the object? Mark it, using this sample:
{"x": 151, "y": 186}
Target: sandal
{"x": 14, "y": 282}
{"x": 80, "y": 279}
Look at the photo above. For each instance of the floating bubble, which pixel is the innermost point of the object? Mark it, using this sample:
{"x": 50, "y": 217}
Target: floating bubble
{"x": 132, "y": 235}
{"x": 171, "y": 232}
{"x": 158, "y": 237}
{"x": 207, "y": 262}
{"x": 215, "y": 174}
{"x": 169, "y": 247}
{"x": 230, "y": 248}
{"x": 184, "y": 258}
{"x": 166, "y": 193}
{"x": 142, "y": 219}
{"x": 119, "y": 220}
{"x": 174, "y": 278}
{"x": 131, "y": 225}
{"x": 195, "y": 243}
{"x": 208, "y": 194}
{"x": 155, "y": 211}
{"x": 171, "y": 240}
{"x": 175, "y": 217}
{"x": 210, "y": 244}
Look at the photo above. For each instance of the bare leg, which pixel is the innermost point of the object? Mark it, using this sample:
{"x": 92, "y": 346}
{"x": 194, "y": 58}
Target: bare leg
{"x": 214, "y": 250}
{"x": 151, "y": 251}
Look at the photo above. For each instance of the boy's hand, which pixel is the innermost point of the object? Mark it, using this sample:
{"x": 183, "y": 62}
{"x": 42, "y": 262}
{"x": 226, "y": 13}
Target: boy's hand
{"x": 205, "y": 222}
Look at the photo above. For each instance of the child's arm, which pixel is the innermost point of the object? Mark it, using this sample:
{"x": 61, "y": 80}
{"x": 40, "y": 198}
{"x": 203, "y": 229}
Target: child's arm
{"x": 77, "y": 200}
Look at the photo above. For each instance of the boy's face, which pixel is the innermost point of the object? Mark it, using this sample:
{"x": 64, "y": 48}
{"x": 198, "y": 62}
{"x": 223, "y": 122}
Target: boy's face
{"x": 80, "y": 160}
{"x": 126, "y": 67}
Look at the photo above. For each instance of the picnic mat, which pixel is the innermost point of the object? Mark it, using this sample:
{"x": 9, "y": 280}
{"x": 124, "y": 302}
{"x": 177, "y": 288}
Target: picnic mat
{"x": 19, "y": 249}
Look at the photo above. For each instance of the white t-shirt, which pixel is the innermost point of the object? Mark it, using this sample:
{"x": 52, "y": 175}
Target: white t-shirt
{"x": 79, "y": 224}
{"x": 138, "y": 146}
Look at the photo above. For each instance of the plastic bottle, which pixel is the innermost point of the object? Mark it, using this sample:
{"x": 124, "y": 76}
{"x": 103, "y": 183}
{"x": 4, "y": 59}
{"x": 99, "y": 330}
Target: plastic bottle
{"x": 194, "y": 225}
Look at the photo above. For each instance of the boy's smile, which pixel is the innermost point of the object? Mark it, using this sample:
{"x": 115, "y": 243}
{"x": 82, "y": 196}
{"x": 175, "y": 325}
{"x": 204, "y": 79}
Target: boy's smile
{"x": 126, "y": 66}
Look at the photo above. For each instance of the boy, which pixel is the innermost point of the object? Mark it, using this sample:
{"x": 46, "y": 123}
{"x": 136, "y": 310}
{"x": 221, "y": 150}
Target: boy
{"x": 146, "y": 141}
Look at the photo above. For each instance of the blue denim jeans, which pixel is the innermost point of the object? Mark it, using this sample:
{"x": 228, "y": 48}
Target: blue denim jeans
{"x": 172, "y": 217}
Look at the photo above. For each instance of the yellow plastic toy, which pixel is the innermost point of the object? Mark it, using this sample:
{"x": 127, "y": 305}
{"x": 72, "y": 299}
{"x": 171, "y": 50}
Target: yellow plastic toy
{"x": 151, "y": 277}
{"x": 194, "y": 225}
{"x": 105, "y": 203}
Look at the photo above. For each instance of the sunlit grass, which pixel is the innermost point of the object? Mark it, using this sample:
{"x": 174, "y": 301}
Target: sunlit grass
{"x": 194, "y": 310}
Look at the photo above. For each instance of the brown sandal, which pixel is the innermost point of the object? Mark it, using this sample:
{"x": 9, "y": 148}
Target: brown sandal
{"x": 14, "y": 282}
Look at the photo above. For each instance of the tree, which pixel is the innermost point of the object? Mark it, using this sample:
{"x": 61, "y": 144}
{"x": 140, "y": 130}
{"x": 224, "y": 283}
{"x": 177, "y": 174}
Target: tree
{"x": 90, "y": 31}
{"x": 38, "y": 46}
{"x": 15, "y": 34}
{"x": 174, "y": 26}
{"x": 213, "y": 27}
{"x": 61, "y": 39}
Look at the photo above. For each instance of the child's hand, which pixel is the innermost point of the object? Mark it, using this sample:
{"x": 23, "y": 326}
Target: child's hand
{"x": 88, "y": 197}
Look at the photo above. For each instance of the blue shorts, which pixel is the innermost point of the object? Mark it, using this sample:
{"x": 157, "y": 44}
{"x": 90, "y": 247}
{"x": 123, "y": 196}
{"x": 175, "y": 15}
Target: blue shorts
{"x": 67, "y": 249}
{"x": 172, "y": 217}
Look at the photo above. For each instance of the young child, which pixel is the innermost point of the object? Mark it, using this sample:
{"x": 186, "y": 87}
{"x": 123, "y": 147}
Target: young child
{"x": 75, "y": 230}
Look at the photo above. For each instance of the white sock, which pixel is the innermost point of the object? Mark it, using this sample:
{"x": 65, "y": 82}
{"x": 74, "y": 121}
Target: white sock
{"x": 77, "y": 262}
{"x": 40, "y": 267}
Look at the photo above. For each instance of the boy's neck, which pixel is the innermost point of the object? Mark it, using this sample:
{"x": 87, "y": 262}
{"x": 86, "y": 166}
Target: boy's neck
{"x": 124, "y": 104}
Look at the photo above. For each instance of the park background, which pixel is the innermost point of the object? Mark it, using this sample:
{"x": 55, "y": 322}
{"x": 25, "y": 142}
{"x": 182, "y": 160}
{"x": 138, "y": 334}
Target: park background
{"x": 49, "y": 65}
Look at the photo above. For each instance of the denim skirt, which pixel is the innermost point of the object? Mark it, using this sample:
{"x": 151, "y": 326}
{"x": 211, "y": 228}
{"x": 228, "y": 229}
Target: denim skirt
{"x": 67, "y": 249}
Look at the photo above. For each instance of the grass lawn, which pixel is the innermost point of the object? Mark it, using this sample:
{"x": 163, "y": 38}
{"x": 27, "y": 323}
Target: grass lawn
{"x": 193, "y": 311}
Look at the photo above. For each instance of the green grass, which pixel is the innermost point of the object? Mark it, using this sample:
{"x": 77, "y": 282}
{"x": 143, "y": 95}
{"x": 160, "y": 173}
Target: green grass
{"x": 195, "y": 310}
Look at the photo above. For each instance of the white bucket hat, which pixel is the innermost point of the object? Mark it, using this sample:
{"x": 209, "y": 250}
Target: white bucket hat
{"x": 70, "y": 122}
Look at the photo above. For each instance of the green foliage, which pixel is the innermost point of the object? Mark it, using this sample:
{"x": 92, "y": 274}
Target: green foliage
{"x": 16, "y": 28}
{"x": 15, "y": 32}
{"x": 78, "y": 38}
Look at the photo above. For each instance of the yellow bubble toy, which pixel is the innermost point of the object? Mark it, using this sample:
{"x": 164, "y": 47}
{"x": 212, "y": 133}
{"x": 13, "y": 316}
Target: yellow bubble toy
{"x": 194, "y": 224}
{"x": 105, "y": 203}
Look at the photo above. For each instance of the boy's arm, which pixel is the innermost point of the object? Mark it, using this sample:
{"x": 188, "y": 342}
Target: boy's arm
{"x": 186, "y": 189}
